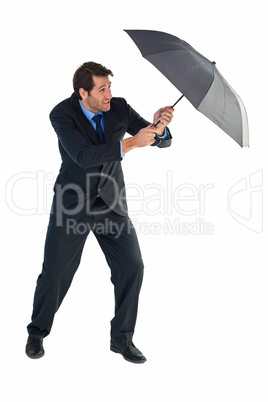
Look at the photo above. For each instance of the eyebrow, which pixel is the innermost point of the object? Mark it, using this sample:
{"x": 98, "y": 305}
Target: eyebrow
{"x": 103, "y": 86}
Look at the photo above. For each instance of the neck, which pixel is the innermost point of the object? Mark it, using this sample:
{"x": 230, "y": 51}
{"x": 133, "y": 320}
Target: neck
{"x": 86, "y": 106}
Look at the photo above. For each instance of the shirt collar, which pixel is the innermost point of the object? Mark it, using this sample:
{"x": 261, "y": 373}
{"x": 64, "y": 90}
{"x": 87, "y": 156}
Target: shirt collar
{"x": 88, "y": 113}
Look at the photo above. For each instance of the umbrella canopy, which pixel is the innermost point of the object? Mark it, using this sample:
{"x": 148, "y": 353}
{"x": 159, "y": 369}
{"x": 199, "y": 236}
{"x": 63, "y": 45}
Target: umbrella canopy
{"x": 197, "y": 78}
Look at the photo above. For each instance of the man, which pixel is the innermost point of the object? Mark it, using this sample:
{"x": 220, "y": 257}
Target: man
{"x": 90, "y": 196}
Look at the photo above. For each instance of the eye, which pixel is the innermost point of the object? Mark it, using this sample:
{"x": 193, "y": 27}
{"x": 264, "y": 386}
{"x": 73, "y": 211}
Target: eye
{"x": 103, "y": 89}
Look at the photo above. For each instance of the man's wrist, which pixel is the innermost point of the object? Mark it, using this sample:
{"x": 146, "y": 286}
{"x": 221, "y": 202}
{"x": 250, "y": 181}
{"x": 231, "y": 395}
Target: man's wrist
{"x": 128, "y": 144}
{"x": 161, "y": 132}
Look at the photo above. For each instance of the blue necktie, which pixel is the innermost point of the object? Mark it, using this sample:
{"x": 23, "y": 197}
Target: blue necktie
{"x": 97, "y": 119}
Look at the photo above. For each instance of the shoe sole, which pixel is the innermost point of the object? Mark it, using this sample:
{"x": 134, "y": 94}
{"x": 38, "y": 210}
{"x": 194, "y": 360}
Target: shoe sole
{"x": 115, "y": 350}
{"x": 34, "y": 357}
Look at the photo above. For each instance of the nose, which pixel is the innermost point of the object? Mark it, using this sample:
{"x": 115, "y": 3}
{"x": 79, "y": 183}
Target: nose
{"x": 108, "y": 94}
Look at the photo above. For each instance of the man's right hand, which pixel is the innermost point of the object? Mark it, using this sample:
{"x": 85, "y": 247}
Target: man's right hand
{"x": 143, "y": 138}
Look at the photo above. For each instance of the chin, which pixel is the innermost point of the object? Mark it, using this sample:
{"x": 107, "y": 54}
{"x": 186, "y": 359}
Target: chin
{"x": 106, "y": 108}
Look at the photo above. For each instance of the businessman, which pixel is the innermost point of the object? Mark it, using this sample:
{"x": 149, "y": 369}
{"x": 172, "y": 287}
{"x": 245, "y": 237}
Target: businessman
{"x": 89, "y": 196}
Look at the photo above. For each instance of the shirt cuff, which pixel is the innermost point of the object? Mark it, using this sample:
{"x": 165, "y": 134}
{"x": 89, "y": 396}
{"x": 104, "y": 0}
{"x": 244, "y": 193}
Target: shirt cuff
{"x": 165, "y": 136}
{"x": 121, "y": 150}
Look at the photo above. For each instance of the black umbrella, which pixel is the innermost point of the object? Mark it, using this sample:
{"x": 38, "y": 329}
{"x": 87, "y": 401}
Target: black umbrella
{"x": 197, "y": 78}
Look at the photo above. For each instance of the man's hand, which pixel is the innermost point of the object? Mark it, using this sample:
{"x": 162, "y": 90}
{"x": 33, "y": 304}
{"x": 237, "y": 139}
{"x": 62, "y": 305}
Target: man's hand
{"x": 143, "y": 138}
{"x": 146, "y": 135}
{"x": 165, "y": 115}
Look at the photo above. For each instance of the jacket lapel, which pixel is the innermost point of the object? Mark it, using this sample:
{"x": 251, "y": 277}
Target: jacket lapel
{"x": 83, "y": 123}
{"x": 87, "y": 129}
{"x": 109, "y": 123}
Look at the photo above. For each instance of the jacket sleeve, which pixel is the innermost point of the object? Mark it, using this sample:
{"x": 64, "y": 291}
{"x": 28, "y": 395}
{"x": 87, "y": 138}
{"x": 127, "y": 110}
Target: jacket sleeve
{"x": 163, "y": 143}
{"x": 84, "y": 154}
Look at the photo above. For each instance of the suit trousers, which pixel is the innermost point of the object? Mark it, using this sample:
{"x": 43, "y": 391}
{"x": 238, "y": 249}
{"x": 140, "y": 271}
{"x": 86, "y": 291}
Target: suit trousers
{"x": 63, "y": 249}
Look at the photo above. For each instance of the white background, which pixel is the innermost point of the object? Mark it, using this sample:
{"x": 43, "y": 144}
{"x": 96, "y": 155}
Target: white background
{"x": 203, "y": 309}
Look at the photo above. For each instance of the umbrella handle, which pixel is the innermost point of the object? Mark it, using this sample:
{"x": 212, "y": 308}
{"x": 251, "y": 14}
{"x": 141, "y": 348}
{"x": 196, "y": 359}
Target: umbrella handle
{"x": 172, "y": 108}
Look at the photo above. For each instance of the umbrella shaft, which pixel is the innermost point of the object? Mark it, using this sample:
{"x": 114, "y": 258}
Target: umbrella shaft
{"x": 177, "y": 101}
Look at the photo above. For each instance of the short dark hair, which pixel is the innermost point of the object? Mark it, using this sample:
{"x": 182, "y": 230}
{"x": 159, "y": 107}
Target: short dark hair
{"x": 83, "y": 77}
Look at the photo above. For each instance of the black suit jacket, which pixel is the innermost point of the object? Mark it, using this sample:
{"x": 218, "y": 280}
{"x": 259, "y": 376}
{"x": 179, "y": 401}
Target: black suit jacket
{"x": 89, "y": 168}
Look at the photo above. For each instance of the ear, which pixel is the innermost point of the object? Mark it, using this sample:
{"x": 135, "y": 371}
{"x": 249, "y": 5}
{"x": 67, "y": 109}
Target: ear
{"x": 83, "y": 93}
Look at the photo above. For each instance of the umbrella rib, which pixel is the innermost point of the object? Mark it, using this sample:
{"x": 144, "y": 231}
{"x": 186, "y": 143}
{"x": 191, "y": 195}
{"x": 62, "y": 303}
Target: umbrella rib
{"x": 224, "y": 100}
{"x": 209, "y": 86}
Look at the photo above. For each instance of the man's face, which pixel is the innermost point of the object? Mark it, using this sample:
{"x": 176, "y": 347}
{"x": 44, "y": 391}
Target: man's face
{"x": 99, "y": 98}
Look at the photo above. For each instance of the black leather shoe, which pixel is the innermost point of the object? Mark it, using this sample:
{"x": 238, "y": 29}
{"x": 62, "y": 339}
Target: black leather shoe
{"x": 34, "y": 347}
{"x": 130, "y": 352}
